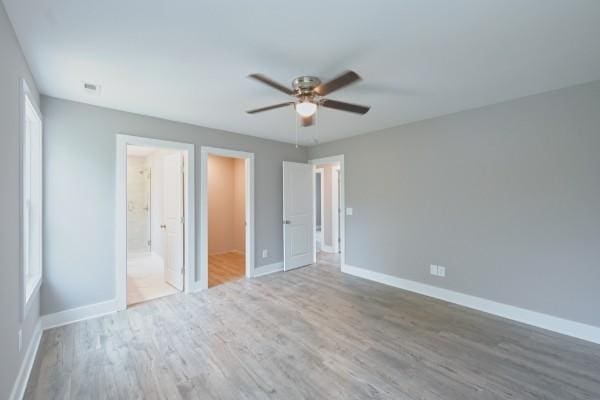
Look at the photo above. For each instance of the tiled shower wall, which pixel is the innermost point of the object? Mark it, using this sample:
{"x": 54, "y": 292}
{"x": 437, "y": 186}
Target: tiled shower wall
{"x": 138, "y": 204}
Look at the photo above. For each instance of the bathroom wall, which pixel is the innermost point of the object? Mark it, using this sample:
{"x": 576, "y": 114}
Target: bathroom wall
{"x": 138, "y": 204}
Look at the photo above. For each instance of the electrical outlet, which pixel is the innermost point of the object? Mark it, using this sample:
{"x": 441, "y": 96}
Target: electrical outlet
{"x": 265, "y": 253}
{"x": 20, "y": 335}
{"x": 437, "y": 270}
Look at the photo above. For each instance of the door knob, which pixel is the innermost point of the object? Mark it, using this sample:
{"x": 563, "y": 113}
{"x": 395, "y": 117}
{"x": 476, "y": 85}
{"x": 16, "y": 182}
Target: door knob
{"x": 163, "y": 227}
{"x": 287, "y": 222}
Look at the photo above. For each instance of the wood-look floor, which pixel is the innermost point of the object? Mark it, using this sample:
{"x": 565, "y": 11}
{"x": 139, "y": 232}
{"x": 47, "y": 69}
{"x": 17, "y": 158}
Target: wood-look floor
{"x": 312, "y": 333}
{"x": 225, "y": 267}
{"x": 328, "y": 258}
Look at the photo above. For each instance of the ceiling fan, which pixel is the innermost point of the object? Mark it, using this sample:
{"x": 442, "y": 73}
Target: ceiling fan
{"x": 309, "y": 93}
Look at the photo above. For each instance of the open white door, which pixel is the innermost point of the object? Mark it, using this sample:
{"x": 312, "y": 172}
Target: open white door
{"x": 298, "y": 215}
{"x": 173, "y": 219}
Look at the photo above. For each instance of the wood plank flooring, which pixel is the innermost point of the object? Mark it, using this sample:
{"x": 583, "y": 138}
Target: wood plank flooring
{"x": 328, "y": 258}
{"x": 312, "y": 333}
{"x": 226, "y": 267}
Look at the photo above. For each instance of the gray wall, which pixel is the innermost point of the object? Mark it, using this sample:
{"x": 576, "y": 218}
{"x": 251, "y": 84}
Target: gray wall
{"x": 506, "y": 197}
{"x": 12, "y": 68}
{"x": 80, "y": 194}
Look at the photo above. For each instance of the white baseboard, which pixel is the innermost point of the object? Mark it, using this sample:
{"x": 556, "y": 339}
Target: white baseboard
{"x": 23, "y": 377}
{"x": 268, "y": 269}
{"x": 564, "y": 326}
{"x": 79, "y": 314}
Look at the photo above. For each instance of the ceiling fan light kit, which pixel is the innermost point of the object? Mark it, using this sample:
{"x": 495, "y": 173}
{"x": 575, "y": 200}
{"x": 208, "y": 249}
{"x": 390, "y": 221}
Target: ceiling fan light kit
{"x": 309, "y": 92}
{"x": 306, "y": 108}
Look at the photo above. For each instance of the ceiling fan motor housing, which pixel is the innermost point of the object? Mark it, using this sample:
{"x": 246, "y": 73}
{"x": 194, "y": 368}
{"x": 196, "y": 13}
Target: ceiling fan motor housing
{"x": 304, "y": 85}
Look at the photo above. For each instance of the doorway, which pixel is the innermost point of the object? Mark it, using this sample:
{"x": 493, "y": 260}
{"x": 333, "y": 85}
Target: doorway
{"x": 329, "y": 210}
{"x": 155, "y": 214}
{"x": 155, "y": 241}
{"x": 227, "y": 215}
{"x": 226, "y": 219}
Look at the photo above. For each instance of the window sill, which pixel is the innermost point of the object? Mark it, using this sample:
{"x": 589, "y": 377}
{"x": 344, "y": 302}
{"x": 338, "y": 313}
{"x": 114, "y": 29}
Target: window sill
{"x": 32, "y": 286}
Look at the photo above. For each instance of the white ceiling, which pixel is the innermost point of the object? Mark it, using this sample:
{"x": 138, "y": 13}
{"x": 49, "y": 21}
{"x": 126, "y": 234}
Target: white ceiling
{"x": 188, "y": 60}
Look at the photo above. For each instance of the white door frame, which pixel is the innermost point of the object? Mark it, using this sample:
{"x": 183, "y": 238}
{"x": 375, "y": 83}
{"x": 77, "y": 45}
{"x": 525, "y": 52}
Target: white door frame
{"x": 328, "y": 160}
{"x": 249, "y": 208}
{"x": 123, "y": 140}
{"x": 322, "y": 172}
{"x": 336, "y": 210}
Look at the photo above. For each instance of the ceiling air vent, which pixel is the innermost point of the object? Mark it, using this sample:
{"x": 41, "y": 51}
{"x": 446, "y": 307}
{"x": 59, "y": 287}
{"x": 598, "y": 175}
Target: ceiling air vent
{"x": 91, "y": 88}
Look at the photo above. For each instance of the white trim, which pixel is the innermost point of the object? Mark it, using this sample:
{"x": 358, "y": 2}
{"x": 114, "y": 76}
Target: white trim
{"x": 249, "y": 198}
{"x": 72, "y": 315}
{"x": 32, "y": 291}
{"x": 540, "y": 320}
{"x": 26, "y": 90}
{"x": 20, "y": 385}
{"x": 330, "y": 160}
{"x": 335, "y": 208}
{"x": 322, "y": 172}
{"x": 29, "y": 286}
{"x": 268, "y": 269}
{"x": 122, "y": 141}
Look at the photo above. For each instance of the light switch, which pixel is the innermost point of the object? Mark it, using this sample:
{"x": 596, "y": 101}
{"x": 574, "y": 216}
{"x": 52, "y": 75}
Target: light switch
{"x": 349, "y": 211}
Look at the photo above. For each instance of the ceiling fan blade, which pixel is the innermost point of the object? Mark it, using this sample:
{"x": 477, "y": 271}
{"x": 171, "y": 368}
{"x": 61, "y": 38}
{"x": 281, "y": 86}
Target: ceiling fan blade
{"x": 257, "y": 110}
{"x": 272, "y": 83}
{"x": 344, "y": 79}
{"x": 308, "y": 121}
{"x": 340, "y": 105}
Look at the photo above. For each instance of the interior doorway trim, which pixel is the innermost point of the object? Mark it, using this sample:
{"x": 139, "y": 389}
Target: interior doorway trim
{"x": 329, "y": 160}
{"x": 123, "y": 140}
{"x": 320, "y": 171}
{"x": 249, "y": 208}
{"x": 336, "y": 209}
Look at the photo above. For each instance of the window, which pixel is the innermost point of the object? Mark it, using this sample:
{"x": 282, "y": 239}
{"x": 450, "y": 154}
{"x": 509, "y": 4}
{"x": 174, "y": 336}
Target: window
{"x": 32, "y": 196}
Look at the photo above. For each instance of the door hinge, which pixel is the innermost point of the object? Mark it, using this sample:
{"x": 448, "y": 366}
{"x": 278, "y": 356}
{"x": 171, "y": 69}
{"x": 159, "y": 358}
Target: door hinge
{"x": 182, "y": 220}
{"x": 149, "y": 243}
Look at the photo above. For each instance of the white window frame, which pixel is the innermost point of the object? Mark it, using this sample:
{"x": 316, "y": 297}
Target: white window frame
{"x": 31, "y": 196}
